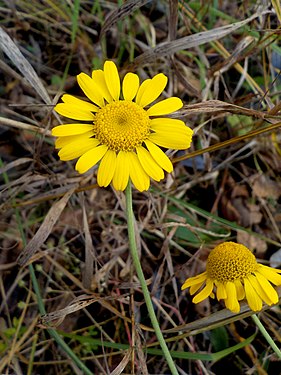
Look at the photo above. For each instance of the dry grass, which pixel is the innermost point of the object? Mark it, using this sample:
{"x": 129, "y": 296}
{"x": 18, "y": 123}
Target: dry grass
{"x": 223, "y": 59}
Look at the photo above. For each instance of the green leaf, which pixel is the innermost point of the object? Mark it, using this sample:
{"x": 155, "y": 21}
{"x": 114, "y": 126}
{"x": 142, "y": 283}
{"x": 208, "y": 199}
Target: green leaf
{"x": 175, "y": 354}
{"x": 219, "y": 338}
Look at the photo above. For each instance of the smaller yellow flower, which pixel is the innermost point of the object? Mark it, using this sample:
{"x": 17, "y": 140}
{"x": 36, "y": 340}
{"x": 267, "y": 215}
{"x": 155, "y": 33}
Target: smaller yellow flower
{"x": 233, "y": 273}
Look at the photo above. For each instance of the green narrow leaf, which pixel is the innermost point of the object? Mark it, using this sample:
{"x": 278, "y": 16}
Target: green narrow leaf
{"x": 175, "y": 354}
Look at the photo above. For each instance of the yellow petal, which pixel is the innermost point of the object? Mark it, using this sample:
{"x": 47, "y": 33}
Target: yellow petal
{"x": 74, "y": 112}
{"x": 159, "y": 156}
{"x": 138, "y": 176}
{"x": 169, "y": 124}
{"x": 77, "y": 148}
{"x": 267, "y": 288}
{"x": 205, "y": 292}
{"x": 270, "y": 274}
{"x": 121, "y": 174}
{"x": 165, "y": 107}
{"x": 255, "y": 284}
{"x": 170, "y": 133}
{"x": 98, "y": 77}
{"x": 221, "y": 291}
{"x": 130, "y": 86}
{"x": 90, "y": 158}
{"x": 142, "y": 89}
{"x": 90, "y": 89}
{"x": 71, "y": 129}
{"x": 64, "y": 141}
{"x": 253, "y": 299}
{"x": 231, "y": 302}
{"x": 69, "y": 99}
{"x": 174, "y": 142}
{"x": 153, "y": 89}
{"x": 239, "y": 290}
{"x": 107, "y": 168}
{"x": 149, "y": 165}
{"x": 201, "y": 278}
{"x": 194, "y": 288}
{"x": 112, "y": 79}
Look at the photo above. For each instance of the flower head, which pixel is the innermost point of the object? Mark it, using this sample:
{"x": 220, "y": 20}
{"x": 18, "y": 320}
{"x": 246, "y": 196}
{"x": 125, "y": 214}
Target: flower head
{"x": 118, "y": 130}
{"x": 233, "y": 273}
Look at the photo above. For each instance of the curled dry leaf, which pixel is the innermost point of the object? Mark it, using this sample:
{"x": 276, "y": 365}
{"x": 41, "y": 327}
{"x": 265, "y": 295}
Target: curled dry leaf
{"x": 217, "y": 106}
{"x": 45, "y": 229}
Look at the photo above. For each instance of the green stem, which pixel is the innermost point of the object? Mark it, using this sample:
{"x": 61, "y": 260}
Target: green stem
{"x": 266, "y": 335}
{"x": 147, "y": 298}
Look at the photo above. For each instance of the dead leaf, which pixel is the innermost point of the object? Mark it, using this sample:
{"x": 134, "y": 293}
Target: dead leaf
{"x": 119, "y": 369}
{"x": 77, "y": 304}
{"x": 90, "y": 255}
{"x": 253, "y": 243}
{"x": 121, "y": 12}
{"x": 13, "y": 52}
{"x": 45, "y": 229}
{"x": 190, "y": 41}
{"x": 264, "y": 187}
{"x": 275, "y": 259}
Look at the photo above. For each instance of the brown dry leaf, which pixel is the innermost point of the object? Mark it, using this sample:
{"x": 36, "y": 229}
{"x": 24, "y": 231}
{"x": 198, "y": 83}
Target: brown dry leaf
{"x": 77, "y": 304}
{"x": 253, "y": 243}
{"x": 90, "y": 255}
{"x": 14, "y": 164}
{"x": 264, "y": 187}
{"x": 255, "y": 216}
{"x": 119, "y": 369}
{"x": 190, "y": 41}
{"x": 141, "y": 355}
{"x": 232, "y": 201}
{"x": 173, "y": 19}
{"x": 239, "y": 191}
{"x": 241, "y": 49}
{"x": 249, "y": 214}
{"x": 123, "y": 11}
{"x": 71, "y": 219}
{"x": 217, "y": 106}
{"x": 81, "y": 302}
{"x": 228, "y": 210}
{"x": 13, "y": 52}
{"x": 236, "y": 207}
{"x": 45, "y": 229}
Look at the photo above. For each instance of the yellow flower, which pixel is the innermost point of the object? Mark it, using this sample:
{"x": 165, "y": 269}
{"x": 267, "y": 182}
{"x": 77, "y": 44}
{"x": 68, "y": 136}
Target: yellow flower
{"x": 233, "y": 273}
{"x": 120, "y": 133}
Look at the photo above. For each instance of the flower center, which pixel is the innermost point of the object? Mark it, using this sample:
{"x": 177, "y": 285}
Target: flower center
{"x": 122, "y": 125}
{"x": 230, "y": 261}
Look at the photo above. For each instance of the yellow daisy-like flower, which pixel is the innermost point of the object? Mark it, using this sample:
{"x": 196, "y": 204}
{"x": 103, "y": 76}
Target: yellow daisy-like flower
{"x": 120, "y": 133}
{"x": 233, "y": 273}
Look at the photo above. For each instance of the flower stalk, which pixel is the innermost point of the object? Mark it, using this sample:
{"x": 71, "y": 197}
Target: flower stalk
{"x": 266, "y": 335}
{"x": 146, "y": 294}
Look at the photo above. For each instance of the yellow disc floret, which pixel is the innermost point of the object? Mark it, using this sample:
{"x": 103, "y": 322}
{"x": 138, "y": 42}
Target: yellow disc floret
{"x": 122, "y": 125}
{"x": 230, "y": 261}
